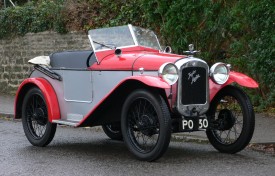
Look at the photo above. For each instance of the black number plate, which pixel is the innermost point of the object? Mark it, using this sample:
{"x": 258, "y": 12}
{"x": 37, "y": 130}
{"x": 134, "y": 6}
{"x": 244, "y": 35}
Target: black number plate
{"x": 194, "y": 124}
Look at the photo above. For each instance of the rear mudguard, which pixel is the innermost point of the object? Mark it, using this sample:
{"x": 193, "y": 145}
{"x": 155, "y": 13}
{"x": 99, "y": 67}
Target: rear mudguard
{"x": 48, "y": 92}
{"x": 237, "y": 77}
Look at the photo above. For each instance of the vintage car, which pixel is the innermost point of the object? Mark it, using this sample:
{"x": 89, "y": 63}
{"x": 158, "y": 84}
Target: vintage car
{"x": 137, "y": 92}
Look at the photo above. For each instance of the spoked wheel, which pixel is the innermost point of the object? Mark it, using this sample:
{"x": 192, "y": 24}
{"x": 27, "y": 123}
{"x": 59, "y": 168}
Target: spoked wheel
{"x": 38, "y": 130}
{"x": 146, "y": 125}
{"x": 113, "y": 131}
{"x": 232, "y": 117}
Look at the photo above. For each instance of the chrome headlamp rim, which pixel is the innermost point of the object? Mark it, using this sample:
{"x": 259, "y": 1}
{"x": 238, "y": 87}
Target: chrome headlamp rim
{"x": 163, "y": 68}
{"x": 213, "y": 71}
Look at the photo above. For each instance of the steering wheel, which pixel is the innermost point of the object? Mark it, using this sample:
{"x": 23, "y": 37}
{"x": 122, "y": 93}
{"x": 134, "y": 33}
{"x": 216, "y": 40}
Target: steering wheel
{"x": 106, "y": 46}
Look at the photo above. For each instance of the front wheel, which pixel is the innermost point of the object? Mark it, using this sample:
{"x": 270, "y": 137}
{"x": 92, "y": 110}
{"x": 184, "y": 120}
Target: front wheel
{"x": 38, "y": 130}
{"x": 146, "y": 125}
{"x": 232, "y": 117}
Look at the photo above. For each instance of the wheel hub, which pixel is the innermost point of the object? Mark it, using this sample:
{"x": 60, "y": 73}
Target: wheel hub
{"x": 39, "y": 116}
{"x": 226, "y": 120}
{"x": 145, "y": 125}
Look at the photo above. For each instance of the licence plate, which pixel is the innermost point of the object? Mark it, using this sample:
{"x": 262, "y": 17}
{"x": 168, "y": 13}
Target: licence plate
{"x": 194, "y": 124}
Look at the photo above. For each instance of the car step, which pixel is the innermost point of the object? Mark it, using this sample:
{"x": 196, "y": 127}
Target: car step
{"x": 66, "y": 122}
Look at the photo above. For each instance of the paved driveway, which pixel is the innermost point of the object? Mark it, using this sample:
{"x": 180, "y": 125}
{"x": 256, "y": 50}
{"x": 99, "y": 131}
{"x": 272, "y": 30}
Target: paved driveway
{"x": 78, "y": 151}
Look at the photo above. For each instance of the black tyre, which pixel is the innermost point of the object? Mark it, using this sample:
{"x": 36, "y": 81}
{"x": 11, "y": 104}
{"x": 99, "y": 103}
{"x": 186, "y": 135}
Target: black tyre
{"x": 38, "y": 130}
{"x": 113, "y": 131}
{"x": 232, "y": 118}
{"x": 146, "y": 125}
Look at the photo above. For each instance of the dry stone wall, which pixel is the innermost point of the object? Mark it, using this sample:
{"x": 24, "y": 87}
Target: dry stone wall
{"x": 15, "y": 53}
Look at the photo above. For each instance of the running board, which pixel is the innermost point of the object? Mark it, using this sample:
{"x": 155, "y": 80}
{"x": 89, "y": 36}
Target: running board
{"x": 66, "y": 122}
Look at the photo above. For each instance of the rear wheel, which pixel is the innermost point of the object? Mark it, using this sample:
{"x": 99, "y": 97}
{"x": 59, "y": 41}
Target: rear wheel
{"x": 38, "y": 130}
{"x": 232, "y": 117}
{"x": 146, "y": 125}
{"x": 113, "y": 131}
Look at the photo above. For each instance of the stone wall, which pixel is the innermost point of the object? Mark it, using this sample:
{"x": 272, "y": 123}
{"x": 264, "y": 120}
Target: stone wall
{"x": 15, "y": 53}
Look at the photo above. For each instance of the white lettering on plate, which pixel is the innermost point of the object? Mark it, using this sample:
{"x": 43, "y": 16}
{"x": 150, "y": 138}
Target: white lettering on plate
{"x": 187, "y": 123}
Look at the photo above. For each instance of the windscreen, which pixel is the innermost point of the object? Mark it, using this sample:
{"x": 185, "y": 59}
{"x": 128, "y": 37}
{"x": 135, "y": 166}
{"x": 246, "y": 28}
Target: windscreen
{"x": 123, "y": 36}
{"x": 113, "y": 37}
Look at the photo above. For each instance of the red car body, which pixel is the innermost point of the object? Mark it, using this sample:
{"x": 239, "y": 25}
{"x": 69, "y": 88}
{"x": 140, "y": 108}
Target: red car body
{"x": 112, "y": 77}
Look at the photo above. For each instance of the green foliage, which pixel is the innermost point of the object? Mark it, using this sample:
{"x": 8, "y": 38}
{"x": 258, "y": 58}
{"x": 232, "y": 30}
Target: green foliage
{"x": 31, "y": 17}
{"x": 261, "y": 53}
{"x": 243, "y": 31}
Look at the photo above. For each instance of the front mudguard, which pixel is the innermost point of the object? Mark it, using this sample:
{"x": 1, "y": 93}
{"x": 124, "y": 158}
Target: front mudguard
{"x": 116, "y": 97}
{"x": 151, "y": 81}
{"x": 47, "y": 91}
{"x": 237, "y": 77}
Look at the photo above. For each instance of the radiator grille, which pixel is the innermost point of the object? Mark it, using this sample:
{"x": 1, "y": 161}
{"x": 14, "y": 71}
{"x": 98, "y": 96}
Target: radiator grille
{"x": 193, "y": 85}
